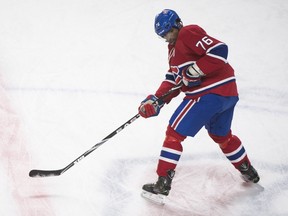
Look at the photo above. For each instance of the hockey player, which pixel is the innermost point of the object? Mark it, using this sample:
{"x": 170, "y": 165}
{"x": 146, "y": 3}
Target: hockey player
{"x": 199, "y": 61}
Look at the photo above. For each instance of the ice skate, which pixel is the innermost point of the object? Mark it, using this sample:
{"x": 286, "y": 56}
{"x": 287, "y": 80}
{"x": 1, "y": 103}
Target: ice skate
{"x": 157, "y": 192}
{"x": 249, "y": 174}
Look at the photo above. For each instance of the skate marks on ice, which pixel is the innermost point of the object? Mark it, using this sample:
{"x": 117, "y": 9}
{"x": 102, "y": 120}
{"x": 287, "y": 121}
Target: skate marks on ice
{"x": 264, "y": 99}
{"x": 206, "y": 186}
{"x": 256, "y": 98}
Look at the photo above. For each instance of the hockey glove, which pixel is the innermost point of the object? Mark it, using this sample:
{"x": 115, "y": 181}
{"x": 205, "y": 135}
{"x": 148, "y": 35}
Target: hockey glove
{"x": 192, "y": 76}
{"x": 149, "y": 107}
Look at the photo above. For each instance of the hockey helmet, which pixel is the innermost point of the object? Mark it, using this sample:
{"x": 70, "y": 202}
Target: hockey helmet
{"x": 165, "y": 20}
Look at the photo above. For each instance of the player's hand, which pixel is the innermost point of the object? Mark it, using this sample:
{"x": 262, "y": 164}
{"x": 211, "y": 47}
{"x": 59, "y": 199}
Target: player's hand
{"x": 191, "y": 76}
{"x": 148, "y": 108}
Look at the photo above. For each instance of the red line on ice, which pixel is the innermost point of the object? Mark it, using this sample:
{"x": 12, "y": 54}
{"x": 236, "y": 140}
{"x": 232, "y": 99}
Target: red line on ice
{"x": 27, "y": 193}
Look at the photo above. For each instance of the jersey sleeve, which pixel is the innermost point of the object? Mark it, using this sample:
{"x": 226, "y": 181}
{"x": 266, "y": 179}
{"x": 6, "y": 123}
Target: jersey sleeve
{"x": 212, "y": 52}
{"x": 165, "y": 87}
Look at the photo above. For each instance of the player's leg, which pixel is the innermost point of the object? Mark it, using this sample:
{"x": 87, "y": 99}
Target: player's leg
{"x": 169, "y": 157}
{"x": 235, "y": 152}
{"x": 219, "y": 130}
{"x": 187, "y": 120}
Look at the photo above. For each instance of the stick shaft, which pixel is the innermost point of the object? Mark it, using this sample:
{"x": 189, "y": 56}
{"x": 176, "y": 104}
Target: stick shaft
{"x": 47, "y": 173}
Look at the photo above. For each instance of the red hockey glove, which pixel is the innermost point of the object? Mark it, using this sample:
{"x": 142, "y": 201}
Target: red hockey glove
{"x": 192, "y": 76}
{"x": 148, "y": 108}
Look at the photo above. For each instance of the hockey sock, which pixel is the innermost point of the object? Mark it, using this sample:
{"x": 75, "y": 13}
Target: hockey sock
{"x": 233, "y": 149}
{"x": 171, "y": 152}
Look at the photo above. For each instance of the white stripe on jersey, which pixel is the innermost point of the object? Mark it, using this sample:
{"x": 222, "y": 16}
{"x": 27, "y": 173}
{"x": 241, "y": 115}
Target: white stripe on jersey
{"x": 218, "y": 57}
{"x": 211, "y": 85}
{"x": 218, "y": 44}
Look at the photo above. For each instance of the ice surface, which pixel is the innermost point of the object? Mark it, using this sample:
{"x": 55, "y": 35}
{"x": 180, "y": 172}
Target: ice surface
{"x": 71, "y": 72}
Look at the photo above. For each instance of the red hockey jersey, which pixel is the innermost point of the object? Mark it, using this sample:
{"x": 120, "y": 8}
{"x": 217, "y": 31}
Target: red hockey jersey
{"x": 194, "y": 46}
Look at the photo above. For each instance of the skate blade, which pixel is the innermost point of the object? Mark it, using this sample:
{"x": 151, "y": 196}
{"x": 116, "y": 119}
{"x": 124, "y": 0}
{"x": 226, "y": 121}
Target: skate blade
{"x": 245, "y": 178}
{"x": 155, "y": 198}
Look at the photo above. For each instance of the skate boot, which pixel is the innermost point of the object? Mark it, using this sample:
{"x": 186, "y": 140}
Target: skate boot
{"x": 249, "y": 174}
{"x": 157, "y": 192}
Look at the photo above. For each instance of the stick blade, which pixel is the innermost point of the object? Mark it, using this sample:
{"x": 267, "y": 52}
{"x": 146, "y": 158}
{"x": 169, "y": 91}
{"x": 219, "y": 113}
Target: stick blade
{"x": 44, "y": 173}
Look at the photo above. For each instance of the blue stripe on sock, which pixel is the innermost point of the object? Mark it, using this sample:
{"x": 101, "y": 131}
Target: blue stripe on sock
{"x": 170, "y": 155}
{"x": 236, "y": 155}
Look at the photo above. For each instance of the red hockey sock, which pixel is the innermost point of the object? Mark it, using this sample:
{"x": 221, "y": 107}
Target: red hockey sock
{"x": 232, "y": 148}
{"x": 171, "y": 152}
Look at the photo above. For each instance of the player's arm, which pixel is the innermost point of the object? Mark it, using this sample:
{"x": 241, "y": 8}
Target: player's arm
{"x": 148, "y": 108}
{"x": 214, "y": 58}
{"x": 213, "y": 55}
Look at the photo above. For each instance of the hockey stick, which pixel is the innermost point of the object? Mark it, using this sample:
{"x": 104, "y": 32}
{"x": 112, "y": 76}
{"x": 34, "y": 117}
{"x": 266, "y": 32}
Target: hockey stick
{"x": 47, "y": 173}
